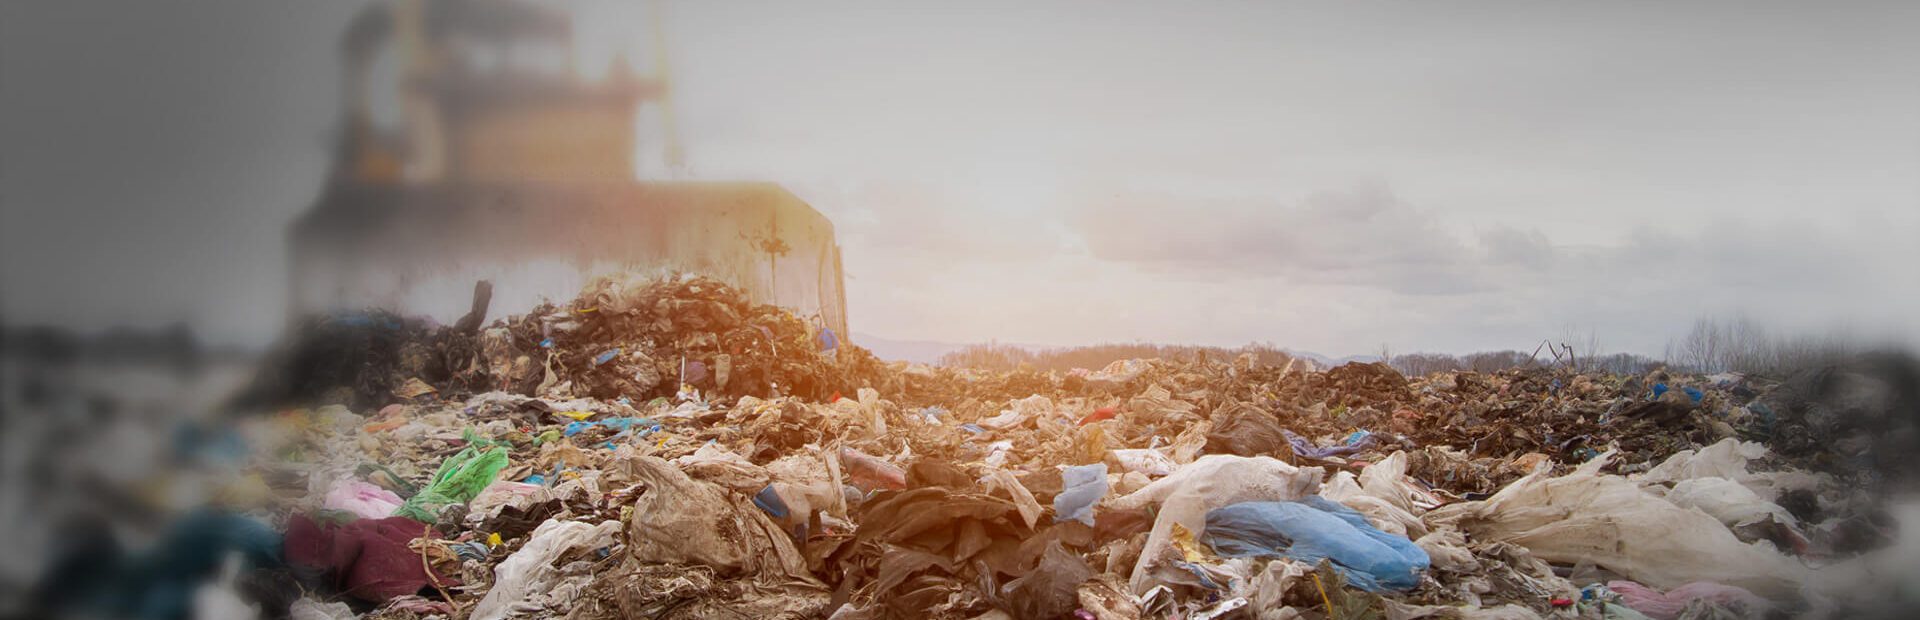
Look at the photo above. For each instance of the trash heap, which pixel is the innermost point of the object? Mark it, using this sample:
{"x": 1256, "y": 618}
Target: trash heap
{"x": 667, "y": 449}
{"x": 624, "y": 337}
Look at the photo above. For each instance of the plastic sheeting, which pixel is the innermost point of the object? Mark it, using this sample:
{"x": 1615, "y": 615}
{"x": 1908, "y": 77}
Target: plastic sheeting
{"x": 1149, "y": 461}
{"x": 1083, "y": 486}
{"x": 1731, "y": 502}
{"x": 1670, "y": 604}
{"x": 1023, "y": 500}
{"x": 1380, "y": 494}
{"x": 504, "y": 493}
{"x": 1316, "y": 528}
{"x": 1052, "y": 589}
{"x": 1266, "y": 588}
{"x": 1246, "y": 430}
{"x": 1611, "y": 522}
{"x": 1209, "y": 482}
{"x": 1715, "y": 480}
{"x": 718, "y": 465}
{"x": 679, "y": 520}
{"x": 309, "y": 609}
{"x": 1306, "y": 448}
{"x": 870, "y": 473}
{"x": 530, "y": 570}
{"x": 1726, "y": 459}
{"x": 362, "y": 499}
{"x": 1019, "y": 411}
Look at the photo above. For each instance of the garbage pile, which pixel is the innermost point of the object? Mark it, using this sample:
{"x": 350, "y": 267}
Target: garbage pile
{"x": 623, "y": 338}
{"x": 669, "y": 450}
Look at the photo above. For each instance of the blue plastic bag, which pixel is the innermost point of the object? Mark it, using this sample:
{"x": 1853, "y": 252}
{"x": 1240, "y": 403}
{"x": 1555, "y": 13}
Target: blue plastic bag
{"x": 769, "y": 500}
{"x": 617, "y": 424}
{"x": 1315, "y": 528}
{"x": 1359, "y": 440}
{"x": 1083, "y": 486}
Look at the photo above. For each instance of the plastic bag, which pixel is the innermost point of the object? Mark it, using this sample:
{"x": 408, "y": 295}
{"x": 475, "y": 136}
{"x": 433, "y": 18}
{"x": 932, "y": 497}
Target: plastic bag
{"x": 680, "y": 520}
{"x": 460, "y": 478}
{"x": 1246, "y": 430}
{"x": 1316, "y": 528}
{"x": 1212, "y": 481}
{"x": 309, "y": 609}
{"x": 1052, "y": 588}
{"x": 1019, "y": 411}
{"x": 1668, "y": 605}
{"x": 1380, "y": 494}
{"x": 362, "y": 499}
{"x": 1119, "y": 372}
{"x": 718, "y": 465}
{"x": 505, "y": 493}
{"x": 1148, "y": 461}
{"x": 869, "y": 473}
{"x": 1082, "y": 487}
{"x": 1306, "y": 448}
{"x": 530, "y": 570}
{"x": 1267, "y": 588}
{"x": 1447, "y": 550}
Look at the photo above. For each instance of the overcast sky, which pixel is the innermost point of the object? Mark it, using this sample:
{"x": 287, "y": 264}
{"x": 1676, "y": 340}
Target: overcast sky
{"x": 1328, "y": 176}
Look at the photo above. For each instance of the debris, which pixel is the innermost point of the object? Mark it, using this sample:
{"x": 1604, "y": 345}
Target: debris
{"x": 1051, "y": 589}
{"x": 1611, "y": 522}
{"x": 460, "y": 478}
{"x": 1311, "y": 529}
{"x": 309, "y": 609}
{"x": 1672, "y": 603}
{"x": 1084, "y": 485}
{"x": 368, "y": 559}
{"x": 531, "y": 570}
{"x": 362, "y": 499}
{"x": 666, "y": 448}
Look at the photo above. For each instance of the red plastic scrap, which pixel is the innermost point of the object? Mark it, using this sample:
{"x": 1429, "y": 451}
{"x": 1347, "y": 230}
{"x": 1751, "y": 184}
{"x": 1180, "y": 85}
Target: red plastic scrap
{"x": 1103, "y": 413}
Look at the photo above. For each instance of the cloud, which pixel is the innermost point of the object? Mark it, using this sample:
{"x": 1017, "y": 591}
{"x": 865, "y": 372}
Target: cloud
{"x": 1365, "y": 236}
{"x": 929, "y": 221}
{"x": 1361, "y": 265}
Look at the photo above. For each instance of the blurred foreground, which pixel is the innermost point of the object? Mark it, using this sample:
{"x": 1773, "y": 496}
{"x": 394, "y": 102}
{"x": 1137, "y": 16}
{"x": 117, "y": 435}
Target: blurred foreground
{"x": 666, "y": 449}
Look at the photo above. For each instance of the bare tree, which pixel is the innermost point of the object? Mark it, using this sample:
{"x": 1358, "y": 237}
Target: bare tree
{"x": 1741, "y": 344}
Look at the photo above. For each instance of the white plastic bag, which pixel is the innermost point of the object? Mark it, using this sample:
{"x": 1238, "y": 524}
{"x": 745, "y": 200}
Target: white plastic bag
{"x": 1149, "y": 461}
{"x": 1019, "y": 411}
{"x": 530, "y": 570}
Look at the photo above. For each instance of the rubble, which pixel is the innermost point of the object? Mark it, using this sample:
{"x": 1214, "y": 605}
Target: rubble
{"x": 667, "y": 449}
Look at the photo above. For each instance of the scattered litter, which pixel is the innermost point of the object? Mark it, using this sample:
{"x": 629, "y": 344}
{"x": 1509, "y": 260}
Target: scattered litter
{"x": 666, "y": 448}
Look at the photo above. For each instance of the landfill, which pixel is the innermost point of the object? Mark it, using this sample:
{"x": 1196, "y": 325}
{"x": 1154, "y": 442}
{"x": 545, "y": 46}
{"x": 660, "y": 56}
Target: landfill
{"x": 664, "y": 448}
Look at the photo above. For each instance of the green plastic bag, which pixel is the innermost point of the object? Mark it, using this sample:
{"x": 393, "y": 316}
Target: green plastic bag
{"x": 460, "y": 478}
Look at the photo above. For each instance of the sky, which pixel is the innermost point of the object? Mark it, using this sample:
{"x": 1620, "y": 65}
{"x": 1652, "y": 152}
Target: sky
{"x": 1333, "y": 177}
